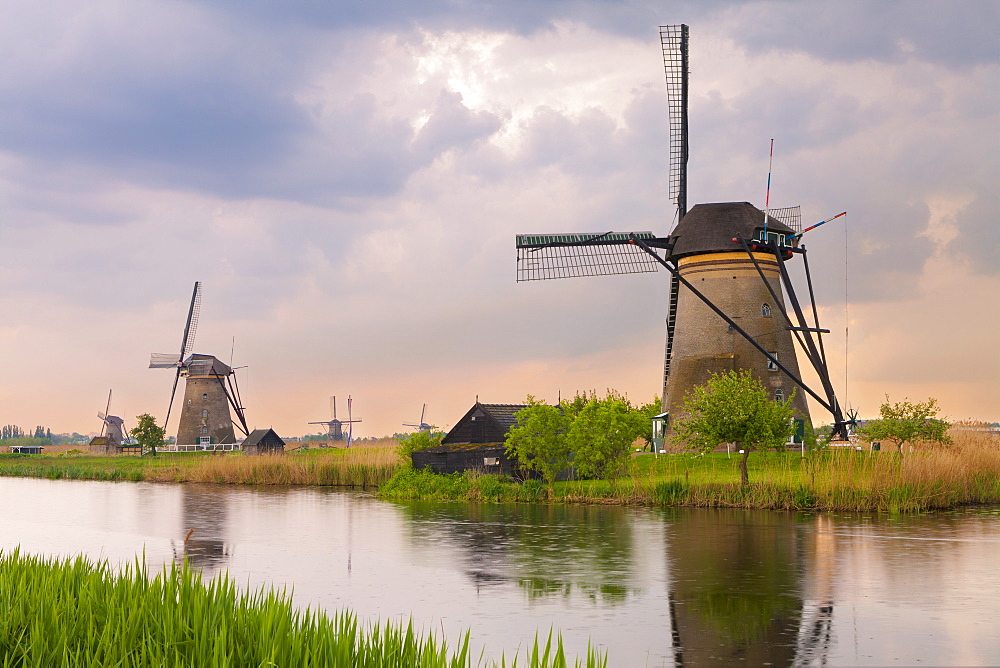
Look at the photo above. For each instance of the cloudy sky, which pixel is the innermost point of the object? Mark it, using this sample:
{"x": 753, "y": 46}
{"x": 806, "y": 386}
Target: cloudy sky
{"x": 347, "y": 179}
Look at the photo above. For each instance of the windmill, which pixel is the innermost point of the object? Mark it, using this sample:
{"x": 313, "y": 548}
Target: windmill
{"x": 112, "y": 426}
{"x": 423, "y": 426}
{"x": 210, "y": 389}
{"x": 727, "y": 271}
{"x": 335, "y": 431}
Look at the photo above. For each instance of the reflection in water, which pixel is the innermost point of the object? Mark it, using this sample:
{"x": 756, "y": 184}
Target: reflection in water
{"x": 548, "y": 551}
{"x": 818, "y": 572}
{"x": 203, "y": 519}
{"x": 734, "y": 587}
{"x": 653, "y": 587}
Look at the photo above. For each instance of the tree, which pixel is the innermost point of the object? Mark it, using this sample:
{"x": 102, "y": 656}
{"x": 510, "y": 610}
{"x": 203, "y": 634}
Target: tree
{"x": 538, "y": 442}
{"x": 420, "y": 440}
{"x": 734, "y": 407}
{"x": 601, "y": 434}
{"x": 148, "y": 434}
{"x": 905, "y": 422}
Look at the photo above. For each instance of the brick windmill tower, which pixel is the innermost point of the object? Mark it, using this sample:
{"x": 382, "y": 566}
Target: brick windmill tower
{"x": 209, "y": 390}
{"x": 728, "y": 280}
{"x": 746, "y": 286}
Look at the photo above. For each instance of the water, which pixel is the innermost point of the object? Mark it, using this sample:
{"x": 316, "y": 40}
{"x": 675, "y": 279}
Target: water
{"x": 653, "y": 587}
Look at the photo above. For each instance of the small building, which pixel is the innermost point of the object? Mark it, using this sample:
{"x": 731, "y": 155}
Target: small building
{"x": 263, "y": 442}
{"x": 26, "y": 449}
{"x": 475, "y": 442}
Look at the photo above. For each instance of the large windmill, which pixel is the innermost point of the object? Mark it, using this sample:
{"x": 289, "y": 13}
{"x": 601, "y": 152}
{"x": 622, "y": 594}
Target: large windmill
{"x": 210, "y": 389}
{"x": 726, "y": 262}
{"x": 335, "y": 427}
{"x": 422, "y": 426}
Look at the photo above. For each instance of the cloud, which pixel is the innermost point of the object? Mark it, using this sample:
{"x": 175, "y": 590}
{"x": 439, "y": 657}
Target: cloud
{"x": 347, "y": 183}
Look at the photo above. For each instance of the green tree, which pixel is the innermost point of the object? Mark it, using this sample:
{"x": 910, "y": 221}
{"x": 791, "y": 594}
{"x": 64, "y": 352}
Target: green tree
{"x": 421, "y": 440}
{"x": 601, "y": 434}
{"x": 538, "y": 441}
{"x": 734, "y": 407}
{"x": 148, "y": 434}
{"x": 905, "y": 422}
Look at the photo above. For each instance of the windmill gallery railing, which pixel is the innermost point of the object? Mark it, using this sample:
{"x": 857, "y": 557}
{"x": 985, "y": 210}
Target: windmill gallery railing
{"x": 570, "y": 255}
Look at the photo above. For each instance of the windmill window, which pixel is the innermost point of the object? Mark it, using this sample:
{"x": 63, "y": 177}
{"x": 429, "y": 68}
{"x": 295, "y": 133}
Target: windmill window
{"x": 771, "y": 366}
{"x": 765, "y": 310}
{"x": 205, "y": 395}
{"x": 204, "y": 413}
{"x": 204, "y": 430}
{"x": 779, "y": 395}
{"x": 760, "y": 235}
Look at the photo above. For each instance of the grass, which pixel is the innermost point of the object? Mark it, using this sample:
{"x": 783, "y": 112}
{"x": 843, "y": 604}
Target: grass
{"x": 78, "y": 612}
{"x": 365, "y": 467}
{"x": 967, "y": 472}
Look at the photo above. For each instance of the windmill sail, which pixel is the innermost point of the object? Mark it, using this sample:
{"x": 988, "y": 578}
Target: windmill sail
{"x": 547, "y": 256}
{"x": 674, "y": 42}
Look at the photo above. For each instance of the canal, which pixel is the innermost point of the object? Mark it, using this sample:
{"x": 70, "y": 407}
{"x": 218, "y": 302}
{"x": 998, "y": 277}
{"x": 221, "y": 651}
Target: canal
{"x": 653, "y": 587}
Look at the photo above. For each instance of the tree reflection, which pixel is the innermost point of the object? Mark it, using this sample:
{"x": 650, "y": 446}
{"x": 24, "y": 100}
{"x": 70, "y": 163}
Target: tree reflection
{"x": 735, "y": 586}
{"x": 547, "y": 551}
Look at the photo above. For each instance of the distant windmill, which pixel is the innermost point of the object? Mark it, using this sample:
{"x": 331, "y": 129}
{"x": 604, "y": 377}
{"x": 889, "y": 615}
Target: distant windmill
{"x": 112, "y": 427}
{"x": 727, "y": 271}
{"x": 335, "y": 427}
{"x": 423, "y": 426}
{"x": 210, "y": 389}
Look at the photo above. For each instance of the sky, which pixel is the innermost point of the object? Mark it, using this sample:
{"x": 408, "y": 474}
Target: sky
{"x": 346, "y": 180}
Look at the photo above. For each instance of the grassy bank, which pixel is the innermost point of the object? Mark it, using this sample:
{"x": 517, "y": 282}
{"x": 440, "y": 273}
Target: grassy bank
{"x": 967, "y": 472}
{"x": 76, "y": 612}
{"x": 364, "y": 467}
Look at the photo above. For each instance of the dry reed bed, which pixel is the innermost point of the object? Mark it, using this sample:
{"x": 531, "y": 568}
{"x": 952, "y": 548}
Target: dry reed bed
{"x": 356, "y": 467}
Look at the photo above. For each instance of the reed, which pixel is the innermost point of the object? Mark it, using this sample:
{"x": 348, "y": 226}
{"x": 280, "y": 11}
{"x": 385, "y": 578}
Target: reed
{"x": 79, "y": 612}
{"x": 364, "y": 467}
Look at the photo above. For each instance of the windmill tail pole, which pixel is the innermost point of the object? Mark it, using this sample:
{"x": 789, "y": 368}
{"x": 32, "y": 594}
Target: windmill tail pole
{"x": 813, "y": 227}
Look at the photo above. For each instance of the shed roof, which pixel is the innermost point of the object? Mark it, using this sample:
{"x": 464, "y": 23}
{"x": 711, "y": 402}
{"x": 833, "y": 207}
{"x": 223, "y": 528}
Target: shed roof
{"x": 501, "y": 416}
{"x": 709, "y": 228}
{"x": 503, "y": 413}
{"x": 258, "y": 435}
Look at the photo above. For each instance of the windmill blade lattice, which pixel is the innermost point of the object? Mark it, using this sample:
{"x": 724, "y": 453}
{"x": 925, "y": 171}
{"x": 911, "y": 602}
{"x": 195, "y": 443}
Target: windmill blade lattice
{"x": 547, "y": 256}
{"x": 674, "y": 42}
{"x": 789, "y": 215}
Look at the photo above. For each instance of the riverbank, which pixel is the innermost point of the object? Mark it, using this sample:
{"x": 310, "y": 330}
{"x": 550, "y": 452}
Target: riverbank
{"x": 966, "y": 473}
{"x": 362, "y": 467}
{"x": 78, "y": 612}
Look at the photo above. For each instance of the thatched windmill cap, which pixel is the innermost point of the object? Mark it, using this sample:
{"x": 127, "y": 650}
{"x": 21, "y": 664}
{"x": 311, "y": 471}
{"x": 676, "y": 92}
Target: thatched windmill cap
{"x": 710, "y": 228}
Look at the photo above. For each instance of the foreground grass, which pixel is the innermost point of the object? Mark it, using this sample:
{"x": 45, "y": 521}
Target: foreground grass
{"x": 933, "y": 478}
{"x": 77, "y": 612}
{"x": 355, "y": 467}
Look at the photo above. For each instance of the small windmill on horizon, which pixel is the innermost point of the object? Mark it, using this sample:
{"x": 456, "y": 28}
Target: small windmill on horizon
{"x": 422, "y": 426}
{"x": 112, "y": 430}
{"x": 335, "y": 427}
{"x": 726, "y": 260}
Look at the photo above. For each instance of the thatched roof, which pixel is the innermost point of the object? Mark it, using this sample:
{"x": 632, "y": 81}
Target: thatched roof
{"x": 709, "y": 228}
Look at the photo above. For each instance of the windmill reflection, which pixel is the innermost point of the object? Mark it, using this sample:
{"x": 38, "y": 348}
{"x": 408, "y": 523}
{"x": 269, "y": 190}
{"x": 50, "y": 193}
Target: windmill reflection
{"x": 735, "y": 587}
{"x": 203, "y": 519}
{"x": 815, "y": 630}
